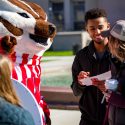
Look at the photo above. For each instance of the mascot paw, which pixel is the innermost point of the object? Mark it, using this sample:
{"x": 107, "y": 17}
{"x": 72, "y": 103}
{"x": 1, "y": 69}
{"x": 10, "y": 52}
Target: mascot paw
{"x": 8, "y": 43}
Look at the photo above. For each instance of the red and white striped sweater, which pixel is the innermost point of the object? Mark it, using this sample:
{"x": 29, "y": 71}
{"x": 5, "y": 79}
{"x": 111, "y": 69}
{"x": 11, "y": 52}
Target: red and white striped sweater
{"x": 27, "y": 70}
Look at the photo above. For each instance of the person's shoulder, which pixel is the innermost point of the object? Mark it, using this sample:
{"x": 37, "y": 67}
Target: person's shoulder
{"x": 5, "y": 104}
{"x": 9, "y": 112}
{"x": 82, "y": 51}
{"x": 14, "y": 114}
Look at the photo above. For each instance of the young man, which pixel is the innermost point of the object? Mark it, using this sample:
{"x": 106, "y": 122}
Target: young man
{"x": 90, "y": 61}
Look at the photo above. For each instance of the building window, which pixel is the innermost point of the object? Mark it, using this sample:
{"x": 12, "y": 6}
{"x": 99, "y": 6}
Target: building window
{"x": 79, "y": 11}
{"x": 56, "y": 14}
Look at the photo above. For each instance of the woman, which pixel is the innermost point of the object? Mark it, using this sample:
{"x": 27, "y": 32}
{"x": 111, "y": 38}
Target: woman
{"x": 116, "y": 108}
{"x": 11, "y": 112}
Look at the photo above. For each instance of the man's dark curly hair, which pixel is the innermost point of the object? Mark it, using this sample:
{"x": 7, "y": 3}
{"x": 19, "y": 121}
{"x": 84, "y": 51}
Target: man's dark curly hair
{"x": 95, "y": 13}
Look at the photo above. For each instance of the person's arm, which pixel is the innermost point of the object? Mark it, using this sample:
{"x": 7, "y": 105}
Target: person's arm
{"x": 26, "y": 118}
{"x": 118, "y": 72}
{"x": 7, "y": 44}
{"x": 121, "y": 86}
{"x": 76, "y": 86}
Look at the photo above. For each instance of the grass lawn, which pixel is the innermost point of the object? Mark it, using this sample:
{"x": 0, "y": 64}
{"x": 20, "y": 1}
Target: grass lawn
{"x": 58, "y": 53}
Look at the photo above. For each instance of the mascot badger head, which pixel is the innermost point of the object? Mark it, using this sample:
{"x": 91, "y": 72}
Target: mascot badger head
{"x": 25, "y": 25}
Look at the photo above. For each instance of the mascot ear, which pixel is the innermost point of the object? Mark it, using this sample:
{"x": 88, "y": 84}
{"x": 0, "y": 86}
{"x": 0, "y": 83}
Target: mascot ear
{"x": 7, "y": 44}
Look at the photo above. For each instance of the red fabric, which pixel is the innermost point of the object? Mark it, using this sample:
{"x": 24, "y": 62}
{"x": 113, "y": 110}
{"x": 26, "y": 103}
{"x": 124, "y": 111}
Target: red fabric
{"x": 45, "y": 106}
{"x": 28, "y": 71}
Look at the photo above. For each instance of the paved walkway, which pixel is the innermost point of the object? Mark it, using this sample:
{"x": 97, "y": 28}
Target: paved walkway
{"x": 60, "y": 65}
{"x": 65, "y": 117}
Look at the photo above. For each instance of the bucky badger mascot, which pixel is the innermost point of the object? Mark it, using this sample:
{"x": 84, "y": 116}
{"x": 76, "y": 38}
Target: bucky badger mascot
{"x": 25, "y": 34}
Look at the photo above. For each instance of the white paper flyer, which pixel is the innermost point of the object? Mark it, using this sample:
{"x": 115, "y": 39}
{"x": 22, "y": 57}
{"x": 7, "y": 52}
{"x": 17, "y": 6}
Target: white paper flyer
{"x": 103, "y": 76}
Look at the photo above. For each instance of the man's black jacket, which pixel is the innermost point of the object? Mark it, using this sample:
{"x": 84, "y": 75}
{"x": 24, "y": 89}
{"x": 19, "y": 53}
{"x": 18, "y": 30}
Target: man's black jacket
{"x": 90, "y": 102}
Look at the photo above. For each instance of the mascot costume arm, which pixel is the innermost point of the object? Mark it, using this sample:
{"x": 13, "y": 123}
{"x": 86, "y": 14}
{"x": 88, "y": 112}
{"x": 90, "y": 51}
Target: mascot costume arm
{"x": 25, "y": 34}
{"x": 7, "y": 44}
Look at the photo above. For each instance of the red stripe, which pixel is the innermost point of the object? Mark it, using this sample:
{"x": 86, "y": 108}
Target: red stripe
{"x": 25, "y": 58}
{"x": 34, "y": 60}
{"x": 14, "y": 74}
{"x": 24, "y": 75}
{"x": 37, "y": 96}
{"x": 30, "y": 85}
{"x": 13, "y": 57}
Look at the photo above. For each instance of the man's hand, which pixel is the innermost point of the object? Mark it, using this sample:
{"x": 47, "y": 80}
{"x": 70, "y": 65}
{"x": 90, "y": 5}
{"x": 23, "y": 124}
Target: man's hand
{"x": 82, "y": 75}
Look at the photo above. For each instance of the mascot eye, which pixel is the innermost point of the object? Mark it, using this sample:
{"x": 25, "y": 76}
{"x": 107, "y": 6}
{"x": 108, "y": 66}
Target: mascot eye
{"x": 24, "y": 15}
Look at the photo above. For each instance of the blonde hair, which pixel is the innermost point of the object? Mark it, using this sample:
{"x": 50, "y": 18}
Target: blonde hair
{"x": 6, "y": 88}
{"x": 117, "y": 48}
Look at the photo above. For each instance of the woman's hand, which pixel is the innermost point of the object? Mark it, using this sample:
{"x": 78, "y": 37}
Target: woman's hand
{"x": 100, "y": 84}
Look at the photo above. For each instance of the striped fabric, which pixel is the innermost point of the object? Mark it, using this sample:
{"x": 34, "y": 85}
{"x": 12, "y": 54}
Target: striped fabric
{"x": 27, "y": 70}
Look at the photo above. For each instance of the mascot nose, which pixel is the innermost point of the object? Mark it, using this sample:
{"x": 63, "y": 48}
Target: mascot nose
{"x": 52, "y": 29}
{"x": 45, "y": 29}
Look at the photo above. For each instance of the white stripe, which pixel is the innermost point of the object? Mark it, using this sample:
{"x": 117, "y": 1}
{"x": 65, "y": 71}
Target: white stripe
{"x": 19, "y": 73}
{"x": 28, "y": 73}
{"x": 30, "y": 7}
{"x": 18, "y": 60}
{"x": 42, "y": 114}
{"x": 34, "y": 71}
{"x": 46, "y": 18}
{"x": 37, "y": 60}
{"x": 30, "y": 61}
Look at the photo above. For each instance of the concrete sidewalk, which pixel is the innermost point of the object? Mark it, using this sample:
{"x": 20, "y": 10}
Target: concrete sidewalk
{"x": 65, "y": 117}
{"x": 59, "y": 65}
